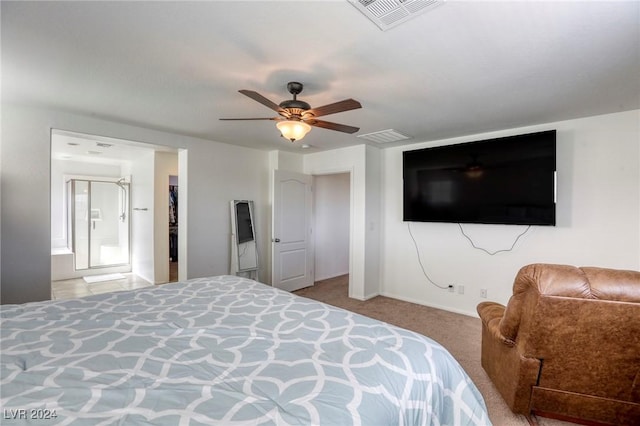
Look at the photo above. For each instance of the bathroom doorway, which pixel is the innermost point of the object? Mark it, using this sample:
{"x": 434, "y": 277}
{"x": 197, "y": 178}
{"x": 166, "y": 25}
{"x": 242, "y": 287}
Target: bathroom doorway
{"x": 127, "y": 223}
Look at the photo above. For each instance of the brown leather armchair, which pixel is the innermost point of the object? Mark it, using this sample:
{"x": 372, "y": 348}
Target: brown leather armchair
{"x": 567, "y": 345}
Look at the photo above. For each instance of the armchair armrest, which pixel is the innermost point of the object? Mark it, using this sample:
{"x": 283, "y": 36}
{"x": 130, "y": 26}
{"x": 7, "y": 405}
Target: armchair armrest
{"x": 511, "y": 372}
{"x": 491, "y": 313}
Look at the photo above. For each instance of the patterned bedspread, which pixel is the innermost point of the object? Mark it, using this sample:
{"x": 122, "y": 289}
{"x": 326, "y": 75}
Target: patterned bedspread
{"x": 222, "y": 350}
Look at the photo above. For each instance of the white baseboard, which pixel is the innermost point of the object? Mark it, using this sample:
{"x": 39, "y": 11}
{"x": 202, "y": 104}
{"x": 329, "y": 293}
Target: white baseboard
{"x": 365, "y": 298}
{"x": 431, "y": 305}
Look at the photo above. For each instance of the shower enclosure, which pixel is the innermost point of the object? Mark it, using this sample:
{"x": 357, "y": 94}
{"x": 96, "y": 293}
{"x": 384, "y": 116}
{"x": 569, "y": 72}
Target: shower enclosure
{"x": 98, "y": 222}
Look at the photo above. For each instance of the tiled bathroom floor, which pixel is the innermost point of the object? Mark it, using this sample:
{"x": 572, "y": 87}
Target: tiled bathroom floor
{"x": 77, "y": 287}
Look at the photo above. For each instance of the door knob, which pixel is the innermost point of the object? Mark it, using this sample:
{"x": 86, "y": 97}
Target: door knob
{"x": 276, "y": 240}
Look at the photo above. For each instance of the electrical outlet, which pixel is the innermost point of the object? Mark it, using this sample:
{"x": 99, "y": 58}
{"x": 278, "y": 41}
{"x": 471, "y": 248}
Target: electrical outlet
{"x": 451, "y": 288}
{"x": 483, "y": 293}
{"x": 460, "y": 289}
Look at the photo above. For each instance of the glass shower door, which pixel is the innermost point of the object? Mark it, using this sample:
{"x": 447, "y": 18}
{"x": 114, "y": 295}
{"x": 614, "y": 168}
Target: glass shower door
{"x": 80, "y": 221}
{"x": 109, "y": 228}
{"x": 98, "y": 223}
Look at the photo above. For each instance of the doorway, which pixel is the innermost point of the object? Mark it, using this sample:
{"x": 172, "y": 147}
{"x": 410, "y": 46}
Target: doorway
{"x": 311, "y": 228}
{"x": 173, "y": 228}
{"x": 137, "y": 206}
{"x": 331, "y": 208}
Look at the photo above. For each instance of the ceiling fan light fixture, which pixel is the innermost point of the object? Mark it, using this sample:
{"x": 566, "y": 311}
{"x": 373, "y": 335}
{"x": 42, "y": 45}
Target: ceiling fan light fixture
{"x": 293, "y": 130}
{"x": 296, "y": 117}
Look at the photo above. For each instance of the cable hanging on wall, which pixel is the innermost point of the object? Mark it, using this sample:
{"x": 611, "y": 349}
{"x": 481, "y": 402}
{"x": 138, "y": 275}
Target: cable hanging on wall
{"x": 491, "y": 253}
{"x": 420, "y": 260}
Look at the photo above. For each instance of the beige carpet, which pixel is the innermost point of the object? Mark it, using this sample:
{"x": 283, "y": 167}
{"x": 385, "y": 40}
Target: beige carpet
{"x": 460, "y": 334}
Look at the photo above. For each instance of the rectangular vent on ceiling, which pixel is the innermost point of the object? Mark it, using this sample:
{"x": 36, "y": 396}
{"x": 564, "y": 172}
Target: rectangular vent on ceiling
{"x": 387, "y": 14}
{"x": 385, "y": 136}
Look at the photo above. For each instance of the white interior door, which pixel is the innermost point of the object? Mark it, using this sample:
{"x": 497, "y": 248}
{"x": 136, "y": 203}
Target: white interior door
{"x": 292, "y": 242}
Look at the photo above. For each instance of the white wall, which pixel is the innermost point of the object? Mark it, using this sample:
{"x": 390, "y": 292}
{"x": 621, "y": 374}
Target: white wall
{"x": 142, "y": 215}
{"x": 183, "y": 247}
{"x": 217, "y": 173}
{"x": 290, "y": 161}
{"x": 598, "y": 209}
{"x": 374, "y": 173}
{"x": 598, "y": 215}
{"x": 331, "y": 199}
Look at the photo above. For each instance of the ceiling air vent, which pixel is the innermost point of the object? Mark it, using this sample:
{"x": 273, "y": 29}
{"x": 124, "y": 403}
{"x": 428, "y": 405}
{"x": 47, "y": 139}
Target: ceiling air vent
{"x": 389, "y": 13}
{"x": 385, "y": 136}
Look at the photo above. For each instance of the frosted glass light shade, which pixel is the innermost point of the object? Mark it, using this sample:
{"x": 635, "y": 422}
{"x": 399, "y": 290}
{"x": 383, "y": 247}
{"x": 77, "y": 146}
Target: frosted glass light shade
{"x": 293, "y": 130}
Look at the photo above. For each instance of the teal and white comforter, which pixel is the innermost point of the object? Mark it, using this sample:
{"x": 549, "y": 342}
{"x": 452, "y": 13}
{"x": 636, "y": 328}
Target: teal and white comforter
{"x": 222, "y": 350}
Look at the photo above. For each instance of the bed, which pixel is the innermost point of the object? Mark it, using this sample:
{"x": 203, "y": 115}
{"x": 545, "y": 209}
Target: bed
{"x": 222, "y": 350}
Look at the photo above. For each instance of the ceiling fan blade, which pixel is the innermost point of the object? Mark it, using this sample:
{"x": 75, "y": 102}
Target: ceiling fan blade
{"x": 259, "y": 98}
{"x": 332, "y": 126}
{"x": 237, "y": 119}
{"x": 346, "y": 105}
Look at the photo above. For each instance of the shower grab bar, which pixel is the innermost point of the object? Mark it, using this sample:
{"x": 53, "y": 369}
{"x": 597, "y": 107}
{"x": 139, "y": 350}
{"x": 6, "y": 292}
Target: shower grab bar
{"x": 143, "y": 209}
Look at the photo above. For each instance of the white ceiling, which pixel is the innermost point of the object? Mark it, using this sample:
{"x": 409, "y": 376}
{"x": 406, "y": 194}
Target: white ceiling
{"x": 70, "y": 146}
{"x": 459, "y": 69}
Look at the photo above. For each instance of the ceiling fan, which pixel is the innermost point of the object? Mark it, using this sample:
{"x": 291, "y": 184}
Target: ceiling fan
{"x": 296, "y": 117}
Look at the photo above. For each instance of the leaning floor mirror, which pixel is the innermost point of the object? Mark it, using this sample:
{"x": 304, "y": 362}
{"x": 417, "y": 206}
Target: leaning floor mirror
{"x": 244, "y": 249}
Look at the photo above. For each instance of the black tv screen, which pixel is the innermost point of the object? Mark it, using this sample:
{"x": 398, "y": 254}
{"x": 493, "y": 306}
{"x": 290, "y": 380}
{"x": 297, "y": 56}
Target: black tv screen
{"x": 509, "y": 180}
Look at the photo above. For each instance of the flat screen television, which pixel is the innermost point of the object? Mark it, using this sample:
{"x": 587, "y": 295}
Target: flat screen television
{"x": 509, "y": 180}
